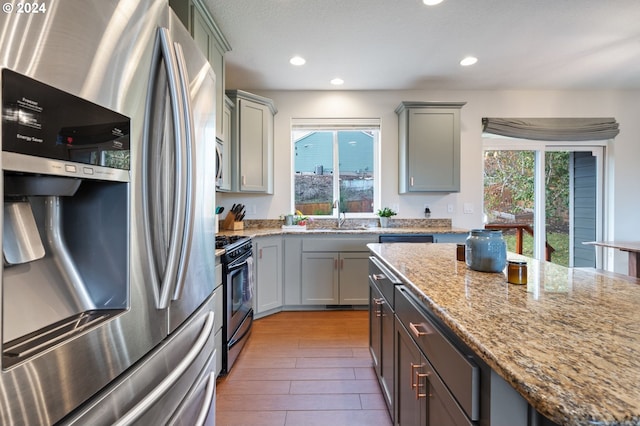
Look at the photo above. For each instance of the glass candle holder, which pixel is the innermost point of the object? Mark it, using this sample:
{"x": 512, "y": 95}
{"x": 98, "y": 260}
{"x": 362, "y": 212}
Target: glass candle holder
{"x": 517, "y": 272}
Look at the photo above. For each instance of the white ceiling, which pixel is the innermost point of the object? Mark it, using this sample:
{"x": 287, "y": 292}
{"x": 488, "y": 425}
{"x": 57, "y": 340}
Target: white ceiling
{"x": 403, "y": 44}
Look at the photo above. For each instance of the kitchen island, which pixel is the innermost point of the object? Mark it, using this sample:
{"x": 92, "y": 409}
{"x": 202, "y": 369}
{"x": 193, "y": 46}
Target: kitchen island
{"x": 568, "y": 342}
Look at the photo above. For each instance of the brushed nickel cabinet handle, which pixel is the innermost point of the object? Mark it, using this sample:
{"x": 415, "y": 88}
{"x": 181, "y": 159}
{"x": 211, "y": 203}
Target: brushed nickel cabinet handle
{"x": 378, "y": 277}
{"x": 411, "y": 181}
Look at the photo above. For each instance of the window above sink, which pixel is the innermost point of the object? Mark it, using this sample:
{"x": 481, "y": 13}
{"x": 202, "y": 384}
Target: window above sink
{"x": 336, "y": 160}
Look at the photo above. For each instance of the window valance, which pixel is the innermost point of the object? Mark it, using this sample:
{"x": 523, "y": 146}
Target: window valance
{"x": 553, "y": 129}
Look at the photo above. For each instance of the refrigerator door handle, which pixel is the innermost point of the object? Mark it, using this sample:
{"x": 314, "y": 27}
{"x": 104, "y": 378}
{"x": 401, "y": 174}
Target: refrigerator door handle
{"x": 157, "y": 393}
{"x": 163, "y": 51}
{"x": 188, "y": 148}
{"x": 208, "y": 400}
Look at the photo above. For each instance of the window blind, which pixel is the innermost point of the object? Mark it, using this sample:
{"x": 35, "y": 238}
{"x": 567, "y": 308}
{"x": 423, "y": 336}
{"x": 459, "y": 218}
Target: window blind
{"x": 553, "y": 129}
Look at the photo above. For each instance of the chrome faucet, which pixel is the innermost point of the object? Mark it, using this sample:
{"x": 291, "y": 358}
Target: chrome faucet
{"x": 336, "y": 205}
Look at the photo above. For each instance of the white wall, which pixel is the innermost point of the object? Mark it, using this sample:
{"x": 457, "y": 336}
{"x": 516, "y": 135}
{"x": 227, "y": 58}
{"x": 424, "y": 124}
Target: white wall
{"x": 624, "y": 152}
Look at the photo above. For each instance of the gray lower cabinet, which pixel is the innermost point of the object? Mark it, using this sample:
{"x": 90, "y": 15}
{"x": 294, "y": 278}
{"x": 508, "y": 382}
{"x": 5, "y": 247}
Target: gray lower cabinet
{"x": 426, "y": 360}
{"x": 411, "y": 409}
{"x": 450, "y": 238}
{"x": 293, "y": 270}
{"x": 381, "y": 329}
{"x": 320, "y": 278}
{"x": 429, "y": 146}
{"x": 334, "y": 270}
{"x": 332, "y": 278}
{"x": 354, "y": 287}
{"x": 268, "y": 274}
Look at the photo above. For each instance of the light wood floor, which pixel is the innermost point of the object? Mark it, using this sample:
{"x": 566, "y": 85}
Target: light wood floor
{"x": 304, "y": 369}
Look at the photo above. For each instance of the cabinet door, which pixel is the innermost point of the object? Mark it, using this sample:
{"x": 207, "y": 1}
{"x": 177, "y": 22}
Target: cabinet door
{"x": 381, "y": 331}
{"x": 433, "y": 153}
{"x": 386, "y": 354}
{"x": 354, "y": 282}
{"x": 429, "y": 146}
{"x": 375, "y": 327}
{"x": 268, "y": 274}
{"x": 224, "y": 144}
{"x": 200, "y": 32}
{"x": 410, "y": 408}
{"x": 255, "y": 127}
{"x": 320, "y": 278}
{"x": 450, "y": 238}
{"x": 292, "y": 270}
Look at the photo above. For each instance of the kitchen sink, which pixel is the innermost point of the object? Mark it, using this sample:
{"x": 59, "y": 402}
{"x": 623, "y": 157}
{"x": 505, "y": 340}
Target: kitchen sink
{"x": 344, "y": 229}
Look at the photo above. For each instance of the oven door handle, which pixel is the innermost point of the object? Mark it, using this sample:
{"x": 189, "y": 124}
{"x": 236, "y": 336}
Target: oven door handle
{"x": 239, "y": 265}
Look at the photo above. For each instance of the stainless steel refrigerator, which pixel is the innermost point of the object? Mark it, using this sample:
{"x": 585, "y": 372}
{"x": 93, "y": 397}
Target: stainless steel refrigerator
{"x": 108, "y": 157}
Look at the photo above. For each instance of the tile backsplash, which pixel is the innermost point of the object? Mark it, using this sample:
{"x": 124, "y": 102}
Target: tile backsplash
{"x": 350, "y": 223}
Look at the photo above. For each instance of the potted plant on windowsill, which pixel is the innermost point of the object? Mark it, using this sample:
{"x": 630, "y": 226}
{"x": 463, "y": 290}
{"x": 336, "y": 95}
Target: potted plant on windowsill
{"x": 385, "y": 214}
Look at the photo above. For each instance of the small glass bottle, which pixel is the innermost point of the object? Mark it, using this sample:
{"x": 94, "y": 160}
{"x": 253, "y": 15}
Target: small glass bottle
{"x": 517, "y": 272}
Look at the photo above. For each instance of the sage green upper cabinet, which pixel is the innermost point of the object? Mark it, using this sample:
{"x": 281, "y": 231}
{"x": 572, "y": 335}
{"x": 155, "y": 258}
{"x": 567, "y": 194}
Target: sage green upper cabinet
{"x": 251, "y": 142}
{"x": 429, "y": 146}
{"x": 211, "y": 42}
{"x": 224, "y": 147}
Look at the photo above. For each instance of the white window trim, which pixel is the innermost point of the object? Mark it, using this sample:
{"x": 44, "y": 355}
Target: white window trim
{"x": 598, "y": 149}
{"x": 315, "y": 124}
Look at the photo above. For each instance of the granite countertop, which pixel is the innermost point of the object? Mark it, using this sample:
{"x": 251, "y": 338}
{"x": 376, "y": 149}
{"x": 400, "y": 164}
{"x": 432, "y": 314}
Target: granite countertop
{"x": 260, "y": 228}
{"x": 262, "y": 232}
{"x": 568, "y": 341}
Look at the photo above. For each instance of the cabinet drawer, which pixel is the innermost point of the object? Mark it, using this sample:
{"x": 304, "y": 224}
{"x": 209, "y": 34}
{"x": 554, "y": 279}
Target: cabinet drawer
{"x": 443, "y": 408}
{"x": 338, "y": 244}
{"x": 458, "y": 372}
{"x": 383, "y": 280}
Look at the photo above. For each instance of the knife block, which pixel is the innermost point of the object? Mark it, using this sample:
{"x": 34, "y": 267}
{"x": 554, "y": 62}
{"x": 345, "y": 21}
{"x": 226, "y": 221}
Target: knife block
{"x": 231, "y": 224}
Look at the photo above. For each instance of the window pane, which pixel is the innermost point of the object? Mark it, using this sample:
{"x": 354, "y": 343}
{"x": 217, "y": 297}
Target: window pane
{"x": 355, "y": 151}
{"x": 313, "y": 167}
{"x": 570, "y": 192}
{"x": 508, "y": 196}
{"x": 335, "y": 163}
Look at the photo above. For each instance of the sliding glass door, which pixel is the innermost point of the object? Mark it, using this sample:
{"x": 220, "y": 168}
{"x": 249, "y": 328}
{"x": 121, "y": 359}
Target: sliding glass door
{"x": 546, "y": 198}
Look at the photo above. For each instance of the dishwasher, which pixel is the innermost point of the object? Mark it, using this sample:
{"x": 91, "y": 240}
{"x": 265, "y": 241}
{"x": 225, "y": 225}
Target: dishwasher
{"x": 405, "y": 238}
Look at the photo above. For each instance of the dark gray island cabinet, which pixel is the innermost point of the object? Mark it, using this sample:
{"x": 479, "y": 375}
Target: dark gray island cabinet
{"x": 468, "y": 348}
{"x": 427, "y": 376}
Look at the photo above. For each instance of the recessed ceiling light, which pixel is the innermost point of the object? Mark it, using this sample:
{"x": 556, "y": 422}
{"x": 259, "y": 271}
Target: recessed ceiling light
{"x": 337, "y": 81}
{"x": 469, "y": 60}
{"x": 431, "y": 2}
{"x": 297, "y": 61}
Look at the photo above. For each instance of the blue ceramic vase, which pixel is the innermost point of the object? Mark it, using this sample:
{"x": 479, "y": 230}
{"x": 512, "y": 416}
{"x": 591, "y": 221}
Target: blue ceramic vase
{"x": 486, "y": 250}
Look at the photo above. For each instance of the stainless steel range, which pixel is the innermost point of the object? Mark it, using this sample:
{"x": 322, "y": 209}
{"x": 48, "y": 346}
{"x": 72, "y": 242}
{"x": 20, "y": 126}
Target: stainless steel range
{"x": 238, "y": 288}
